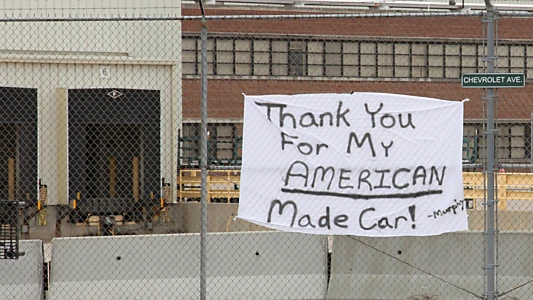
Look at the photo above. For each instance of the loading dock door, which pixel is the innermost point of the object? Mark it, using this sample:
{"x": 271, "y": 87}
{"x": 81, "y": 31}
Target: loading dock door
{"x": 114, "y": 150}
{"x": 18, "y": 144}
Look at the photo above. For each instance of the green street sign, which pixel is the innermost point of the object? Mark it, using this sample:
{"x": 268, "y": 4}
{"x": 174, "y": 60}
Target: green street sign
{"x": 493, "y": 80}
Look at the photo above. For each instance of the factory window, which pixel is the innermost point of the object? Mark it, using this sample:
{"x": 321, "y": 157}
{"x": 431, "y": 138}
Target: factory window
{"x": 333, "y": 57}
{"x": 278, "y": 57}
{"x": 452, "y": 55}
{"x": 512, "y": 141}
{"x": 223, "y": 144}
{"x": 402, "y": 60}
{"x": 529, "y": 61}
{"x": 225, "y": 57}
{"x": 350, "y": 59}
{"x": 189, "y": 56}
{"x": 261, "y": 57}
{"x": 243, "y": 57}
{"x": 517, "y": 59}
{"x": 436, "y": 61}
{"x": 296, "y": 59}
{"x": 419, "y": 60}
{"x": 368, "y": 59}
{"x": 315, "y": 58}
{"x": 469, "y": 59}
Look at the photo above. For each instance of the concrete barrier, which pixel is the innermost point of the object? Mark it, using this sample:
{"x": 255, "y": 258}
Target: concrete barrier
{"x": 248, "y": 265}
{"x": 449, "y": 266}
{"x": 403, "y": 267}
{"x": 23, "y": 278}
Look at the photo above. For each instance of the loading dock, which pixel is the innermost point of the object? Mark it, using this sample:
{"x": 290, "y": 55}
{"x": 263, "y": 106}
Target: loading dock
{"x": 18, "y": 144}
{"x": 114, "y": 151}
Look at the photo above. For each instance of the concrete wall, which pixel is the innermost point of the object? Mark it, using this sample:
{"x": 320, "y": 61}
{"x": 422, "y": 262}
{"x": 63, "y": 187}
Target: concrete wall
{"x": 266, "y": 265}
{"x": 22, "y": 278}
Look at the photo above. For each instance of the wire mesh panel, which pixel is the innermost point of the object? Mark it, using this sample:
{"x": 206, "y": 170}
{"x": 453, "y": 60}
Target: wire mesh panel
{"x": 101, "y": 137}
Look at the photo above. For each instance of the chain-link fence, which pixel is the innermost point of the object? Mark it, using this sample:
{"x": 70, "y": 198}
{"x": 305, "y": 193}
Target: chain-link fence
{"x": 102, "y": 185}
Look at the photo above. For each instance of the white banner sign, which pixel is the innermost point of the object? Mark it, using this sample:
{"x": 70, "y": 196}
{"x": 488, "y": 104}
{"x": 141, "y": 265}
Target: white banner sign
{"x": 353, "y": 164}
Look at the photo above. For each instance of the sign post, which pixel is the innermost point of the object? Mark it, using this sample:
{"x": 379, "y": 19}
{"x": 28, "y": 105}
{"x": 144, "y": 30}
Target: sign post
{"x": 493, "y": 80}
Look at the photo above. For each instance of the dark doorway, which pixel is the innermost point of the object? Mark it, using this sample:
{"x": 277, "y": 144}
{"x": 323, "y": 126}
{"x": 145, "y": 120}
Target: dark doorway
{"x": 18, "y": 144}
{"x": 114, "y": 150}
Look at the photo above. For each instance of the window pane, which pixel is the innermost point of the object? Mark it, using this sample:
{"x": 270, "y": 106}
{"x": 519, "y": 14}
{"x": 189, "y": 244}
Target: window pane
{"x": 315, "y": 71}
{"x": 452, "y": 50}
{"x": 368, "y": 71}
{"x": 351, "y": 71}
{"x": 401, "y": 49}
{"x": 188, "y": 44}
{"x": 224, "y": 57}
{"x": 518, "y": 142}
{"x": 385, "y": 48}
{"x": 279, "y": 58}
{"x": 420, "y": 49}
{"x": 225, "y": 69}
{"x": 385, "y": 72}
{"x": 261, "y": 69}
{"x": 436, "y": 50}
{"x": 243, "y": 45}
{"x": 368, "y": 60}
{"x": 314, "y": 59}
{"x": 368, "y": 48}
{"x": 350, "y": 59}
{"x": 351, "y": 48}
{"x": 261, "y": 58}
{"x": 453, "y": 73}
{"x": 402, "y": 60}
{"x": 418, "y": 72}
{"x": 333, "y": 71}
{"x": 332, "y": 47}
{"x": 189, "y": 69}
{"x": 435, "y": 72}
{"x": 224, "y": 45}
{"x": 189, "y": 56}
{"x": 315, "y": 47}
{"x": 280, "y": 46}
{"x": 469, "y": 50}
{"x": 518, "y": 153}
{"x": 419, "y": 61}
{"x": 243, "y": 70}
{"x": 280, "y": 70}
{"x": 469, "y": 61}
{"x": 436, "y": 61}
{"x": 333, "y": 59}
{"x": 518, "y": 130}
{"x": 261, "y": 46}
{"x": 385, "y": 60}
{"x": 401, "y": 72}
{"x": 244, "y": 57}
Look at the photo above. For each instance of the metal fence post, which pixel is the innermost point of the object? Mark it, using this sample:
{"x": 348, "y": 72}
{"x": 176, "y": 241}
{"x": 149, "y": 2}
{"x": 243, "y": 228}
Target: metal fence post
{"x": 203, "y": 163}
{"x": 490, "y": 167}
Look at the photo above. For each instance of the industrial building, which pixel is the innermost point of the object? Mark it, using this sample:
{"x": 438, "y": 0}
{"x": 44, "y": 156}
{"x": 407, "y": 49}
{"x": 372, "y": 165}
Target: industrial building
{"x": 88, "y": 110}
{"x": 418, "y": 48}
{"x": 102, "y": 115}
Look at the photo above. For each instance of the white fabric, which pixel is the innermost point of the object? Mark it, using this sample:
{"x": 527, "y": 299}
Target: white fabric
{"x": 363, "y": 164}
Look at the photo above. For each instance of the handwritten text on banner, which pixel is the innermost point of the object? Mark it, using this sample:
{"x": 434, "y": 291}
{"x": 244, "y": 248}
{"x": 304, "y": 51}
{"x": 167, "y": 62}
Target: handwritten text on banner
{"x": 363, "y": 164}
